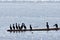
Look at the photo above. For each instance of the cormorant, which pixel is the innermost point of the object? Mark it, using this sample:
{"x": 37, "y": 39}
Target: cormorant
{"x": 10, "y": 27}
{"x": 30, "y": 27}
{"x": 56, "y": 25}
{"x": 47, "y": 25}
{"x": 19, "y": 27}
{"x": 23, "y": 25}
{"x": 16, "y": 26}
{"x": 13, "y": 27}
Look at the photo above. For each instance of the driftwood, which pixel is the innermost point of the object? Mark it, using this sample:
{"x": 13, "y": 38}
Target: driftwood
{"x": 36, "y": 29}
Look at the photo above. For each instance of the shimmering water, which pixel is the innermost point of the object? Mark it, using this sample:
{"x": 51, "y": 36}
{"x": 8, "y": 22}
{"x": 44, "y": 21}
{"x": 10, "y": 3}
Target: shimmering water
{"x": 35, "y": 14}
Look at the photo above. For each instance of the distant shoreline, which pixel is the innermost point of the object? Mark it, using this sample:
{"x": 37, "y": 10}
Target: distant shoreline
{"x": 29, "y": 1}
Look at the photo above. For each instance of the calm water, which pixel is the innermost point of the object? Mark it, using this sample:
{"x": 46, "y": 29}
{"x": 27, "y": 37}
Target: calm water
{"x": 35, "y": 14}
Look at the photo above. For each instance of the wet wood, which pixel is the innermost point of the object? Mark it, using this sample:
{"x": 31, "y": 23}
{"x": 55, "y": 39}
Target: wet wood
{"x": 43, "y": 29}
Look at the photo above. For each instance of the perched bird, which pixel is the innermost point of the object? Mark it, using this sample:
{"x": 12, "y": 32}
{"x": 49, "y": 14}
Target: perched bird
{"x": 47, "y": 25}
{"x": 19, "y": 27}
{"x": 23, "y": 25}
{"x": 30, "y": 27}
{"x": 16, "y": 26}
{"x": 56, "y": 25}
{"x": 13, "y": 27}
{"x": 10, "y": 27}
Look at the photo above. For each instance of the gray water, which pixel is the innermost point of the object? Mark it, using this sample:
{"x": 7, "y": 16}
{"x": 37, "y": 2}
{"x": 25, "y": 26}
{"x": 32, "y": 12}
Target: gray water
{"x": 35, "y": 14}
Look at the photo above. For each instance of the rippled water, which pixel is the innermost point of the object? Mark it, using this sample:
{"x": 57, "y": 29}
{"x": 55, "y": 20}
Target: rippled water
{"x": 35, "y": 14}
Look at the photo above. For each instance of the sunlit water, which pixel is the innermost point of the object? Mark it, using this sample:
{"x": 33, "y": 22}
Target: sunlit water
{"x": 35, "y": 14}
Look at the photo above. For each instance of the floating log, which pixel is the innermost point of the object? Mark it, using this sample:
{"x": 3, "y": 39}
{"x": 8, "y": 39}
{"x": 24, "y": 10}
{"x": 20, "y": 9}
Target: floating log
{"x": 43, "y": 29}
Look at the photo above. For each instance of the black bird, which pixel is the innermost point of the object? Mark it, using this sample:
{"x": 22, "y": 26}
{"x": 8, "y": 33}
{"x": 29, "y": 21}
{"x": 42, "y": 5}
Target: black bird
{"x": 13, "y": 27}
{"x": 19, "y": 27}
{"x": 23, "y": 25}
{"x": 16, "y": 26}
{"x": 56, "y": 25}
{"x": 47, "y": 25}
{"x": 30, "y": 27}
{"x": 10, "y": 27}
